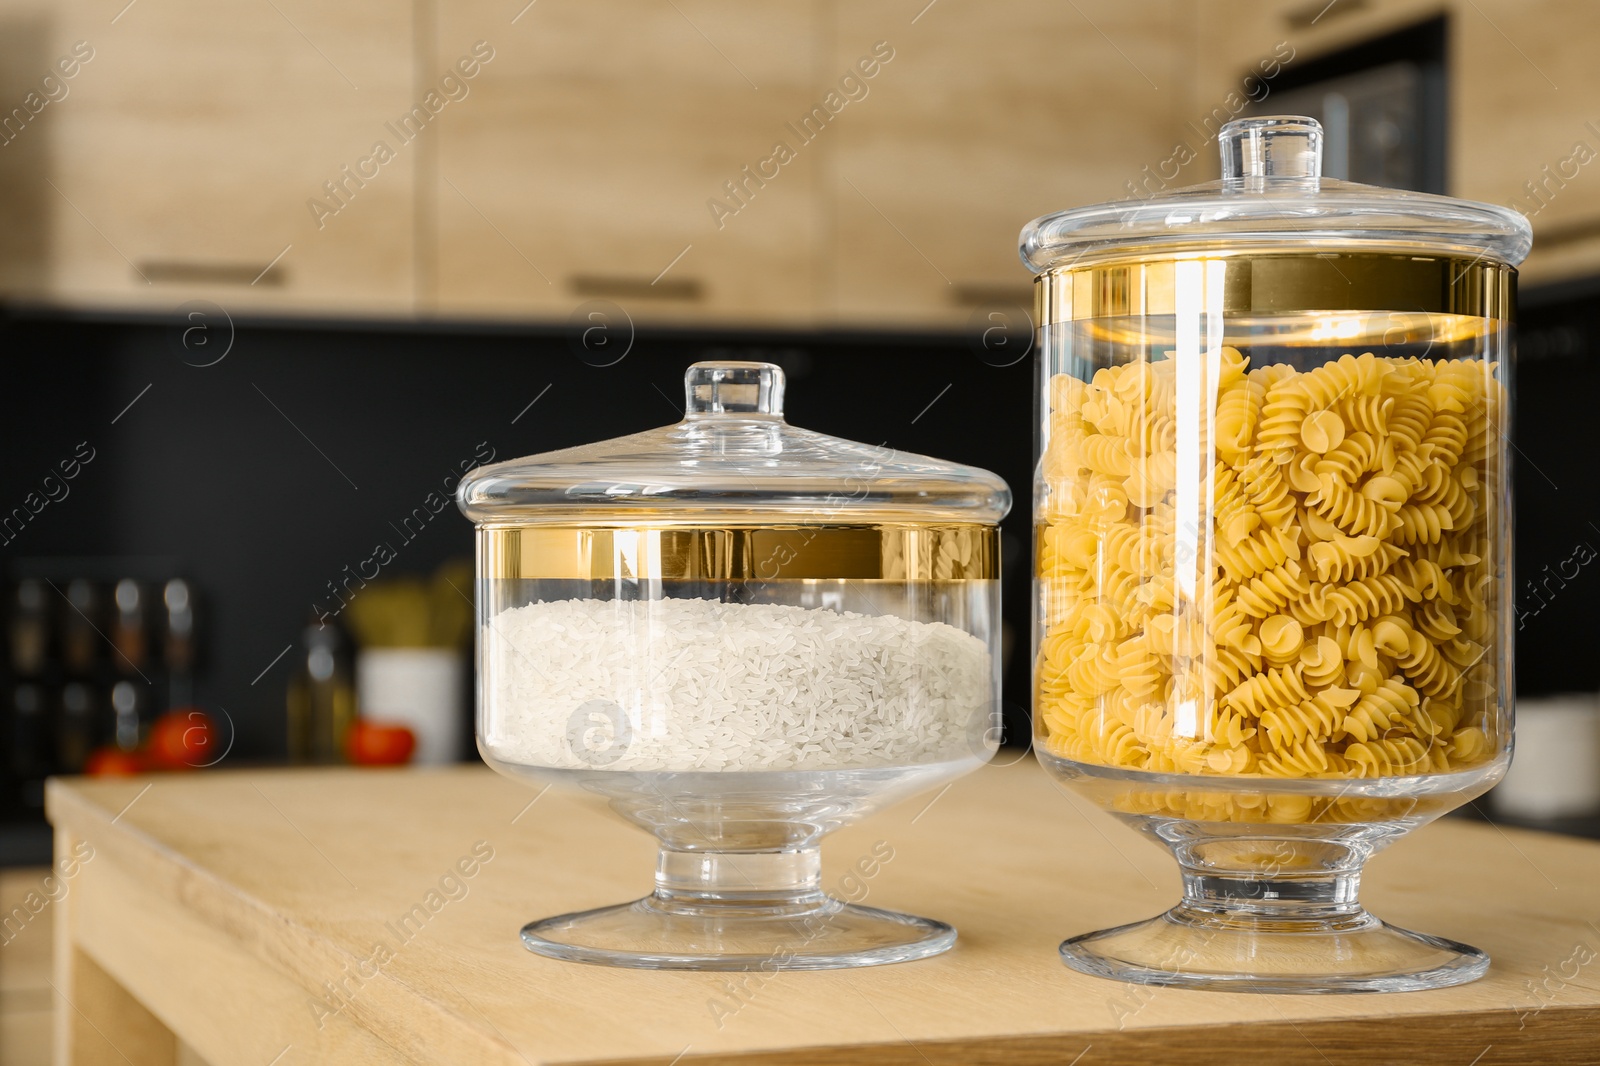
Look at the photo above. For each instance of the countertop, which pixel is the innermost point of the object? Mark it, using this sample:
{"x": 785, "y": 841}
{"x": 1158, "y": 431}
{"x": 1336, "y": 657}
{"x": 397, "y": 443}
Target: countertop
{"x": 236, "y": 917}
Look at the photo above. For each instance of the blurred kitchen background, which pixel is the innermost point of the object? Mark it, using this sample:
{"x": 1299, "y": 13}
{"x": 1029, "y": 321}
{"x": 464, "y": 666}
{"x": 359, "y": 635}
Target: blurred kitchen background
{"x": 273, "y": 274}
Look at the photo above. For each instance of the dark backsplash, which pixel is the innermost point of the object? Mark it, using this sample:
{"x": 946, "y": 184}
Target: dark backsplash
{"x": 263, "y": 476}
{"x": 1556, "y": 433}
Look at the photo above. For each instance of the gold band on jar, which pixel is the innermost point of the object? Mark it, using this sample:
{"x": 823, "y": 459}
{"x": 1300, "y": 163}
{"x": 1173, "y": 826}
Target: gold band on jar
{"x": 764, "y": 553}
{"x": 1273, "y": 284}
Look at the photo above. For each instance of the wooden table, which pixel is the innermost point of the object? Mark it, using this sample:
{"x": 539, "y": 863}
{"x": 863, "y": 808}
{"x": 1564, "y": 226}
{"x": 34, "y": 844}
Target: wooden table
{"x": 232, "y": 917}
{"x": 25, "y": 992}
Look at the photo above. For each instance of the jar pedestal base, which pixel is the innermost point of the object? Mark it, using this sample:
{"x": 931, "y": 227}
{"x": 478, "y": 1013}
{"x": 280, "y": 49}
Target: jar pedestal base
{"x": 642, "y": 935}
{"x": 751, "y": 911}
{"x": 1303, "y": 935}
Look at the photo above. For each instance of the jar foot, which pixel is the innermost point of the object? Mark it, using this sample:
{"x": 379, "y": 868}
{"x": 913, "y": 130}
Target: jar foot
{"x": 1296, "y": 934}
{"x": 1374, "y": 957}
{"x": 738, "y": 911}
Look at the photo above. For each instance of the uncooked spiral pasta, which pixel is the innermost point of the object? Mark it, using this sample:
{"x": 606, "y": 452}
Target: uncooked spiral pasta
{"x": 1323, "y": 607}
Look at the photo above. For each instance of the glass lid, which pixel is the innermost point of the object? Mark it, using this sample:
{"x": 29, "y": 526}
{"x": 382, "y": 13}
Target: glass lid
{"x": 733, "y": 457}
{"x": 1272, "y": 197}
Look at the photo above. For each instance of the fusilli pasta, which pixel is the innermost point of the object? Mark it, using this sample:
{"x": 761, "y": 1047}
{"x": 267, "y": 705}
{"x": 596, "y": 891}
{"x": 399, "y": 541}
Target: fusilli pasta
{"x": 1322, "y": 609}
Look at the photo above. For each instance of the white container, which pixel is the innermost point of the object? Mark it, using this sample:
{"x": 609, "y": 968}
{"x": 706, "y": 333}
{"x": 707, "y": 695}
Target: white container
{"x": 1556, "y": 769}
{"x": 419, "y": 688}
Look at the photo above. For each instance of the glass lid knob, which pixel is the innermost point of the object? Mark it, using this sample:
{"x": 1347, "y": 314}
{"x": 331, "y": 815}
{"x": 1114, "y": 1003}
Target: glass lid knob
{"x": 1272, "y": 147}
{"x": 724, "y": 387}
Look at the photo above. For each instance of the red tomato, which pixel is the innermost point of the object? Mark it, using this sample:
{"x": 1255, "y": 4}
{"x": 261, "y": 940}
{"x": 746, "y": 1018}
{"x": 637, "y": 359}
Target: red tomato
{"x": 378, "y": 744}
{"x": 113, "y": 762}
{"x": 182, "y": 739}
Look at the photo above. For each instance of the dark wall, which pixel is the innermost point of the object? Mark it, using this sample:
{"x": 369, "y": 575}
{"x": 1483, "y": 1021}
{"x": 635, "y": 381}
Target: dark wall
{"x": 263, "y": 476}
{"x": 1557, "y": 482}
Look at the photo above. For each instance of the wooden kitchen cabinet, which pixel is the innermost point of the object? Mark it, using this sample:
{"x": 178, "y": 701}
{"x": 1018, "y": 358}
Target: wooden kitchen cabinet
{"x": 183, "y": 161}
{"x": 627, "y": 150}
{"x": 988, "y": 116}
{"x": 1525, "y": 101}
{"x": 28, "y": 40}
{"x": 582, "y": 163}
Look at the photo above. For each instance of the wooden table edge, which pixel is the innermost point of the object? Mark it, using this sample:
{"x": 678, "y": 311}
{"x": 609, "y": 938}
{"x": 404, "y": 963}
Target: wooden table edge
{"x": 388, "y": 1011}
{"x": 271, "y": 937}
{"x": 1518, "y": 1038}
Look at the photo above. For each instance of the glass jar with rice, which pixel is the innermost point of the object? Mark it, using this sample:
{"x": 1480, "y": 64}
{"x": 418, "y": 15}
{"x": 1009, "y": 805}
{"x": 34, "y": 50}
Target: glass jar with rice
{"x": 743, "y": 635}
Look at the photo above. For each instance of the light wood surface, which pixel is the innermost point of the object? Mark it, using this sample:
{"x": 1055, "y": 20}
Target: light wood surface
{"x": 580, "y": 162}
{"x": 989, "y": 116}
{"x": 582, "y": 165}
{"x": 181, "y": 163}
{"x": 25, "y": 995}
{"x": 223, "y": 902}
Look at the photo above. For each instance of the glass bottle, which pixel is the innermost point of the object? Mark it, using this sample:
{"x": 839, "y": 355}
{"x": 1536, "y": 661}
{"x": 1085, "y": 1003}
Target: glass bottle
{"x": 322, "y": 699}
{"x": 129, "y": 631}
{"x": 30, "y": 746}
{"x": 75, "y": 732}
{"x": 81, "y": 638}
{"x": 178, "y": 650}
{"x": 29, "y": 628}
{"x": 127, "y": 727}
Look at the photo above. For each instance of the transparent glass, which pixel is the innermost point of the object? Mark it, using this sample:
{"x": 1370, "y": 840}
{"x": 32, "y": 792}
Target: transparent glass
{"x": 1273, "y": 556}
{"x": 735, "y": 672}
{"x": 1272, "y": 195}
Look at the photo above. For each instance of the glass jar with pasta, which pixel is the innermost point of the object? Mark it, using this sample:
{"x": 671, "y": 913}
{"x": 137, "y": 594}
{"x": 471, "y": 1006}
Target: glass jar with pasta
{"x": 1273, "y": 549}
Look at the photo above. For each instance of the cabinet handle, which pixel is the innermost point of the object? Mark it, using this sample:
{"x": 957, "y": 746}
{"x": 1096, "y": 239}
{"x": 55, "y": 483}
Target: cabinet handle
{"x": 616, "y": 287}
{"x": 981, "y": 294}
{"x": 1571, "y": 233}
{"x": 195, "y": 272}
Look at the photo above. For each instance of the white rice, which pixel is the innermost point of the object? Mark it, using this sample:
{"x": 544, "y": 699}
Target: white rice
{"x": 688, "y": 684}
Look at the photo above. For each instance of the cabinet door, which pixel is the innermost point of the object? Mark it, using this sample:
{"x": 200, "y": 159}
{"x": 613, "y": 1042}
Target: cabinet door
{"x": 28, "y": 51}
{"x": 196, "y": 138}
{"x": 988, "y": 115}
{"x": 1525, "y": 131}
{"x": 587, "y": 158}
